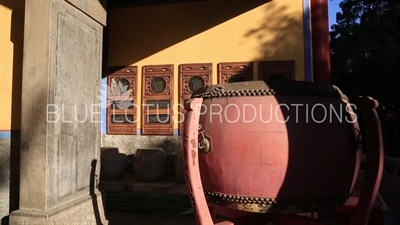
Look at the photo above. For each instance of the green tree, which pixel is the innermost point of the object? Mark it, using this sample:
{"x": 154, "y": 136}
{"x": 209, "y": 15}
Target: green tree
{"x": 365, "y": 49}
{"x": 365, "y": 56}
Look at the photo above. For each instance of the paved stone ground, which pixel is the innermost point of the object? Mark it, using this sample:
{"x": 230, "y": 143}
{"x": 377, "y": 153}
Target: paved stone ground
{"x": 392, "y": 217}
{"x": 122, "y": 218}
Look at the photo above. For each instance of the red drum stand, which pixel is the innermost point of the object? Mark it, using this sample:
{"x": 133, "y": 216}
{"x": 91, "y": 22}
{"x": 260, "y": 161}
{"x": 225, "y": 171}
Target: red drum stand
{"x": 208, "y": 214}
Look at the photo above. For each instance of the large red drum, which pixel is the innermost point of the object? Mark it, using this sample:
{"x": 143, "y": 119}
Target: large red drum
{"x": 285, "y": 147}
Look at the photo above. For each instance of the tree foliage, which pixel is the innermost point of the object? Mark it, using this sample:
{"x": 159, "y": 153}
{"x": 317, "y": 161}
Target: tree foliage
{"x": 365, "y": 49}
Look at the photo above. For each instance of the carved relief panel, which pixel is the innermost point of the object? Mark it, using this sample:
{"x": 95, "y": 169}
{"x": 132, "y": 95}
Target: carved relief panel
{"x": 277, "y": 70}
{"x": 121, "y": 100}
{"x": 157, "y": 100}
{"x": 235, "y": 72}
{"x": 191, "y": 78}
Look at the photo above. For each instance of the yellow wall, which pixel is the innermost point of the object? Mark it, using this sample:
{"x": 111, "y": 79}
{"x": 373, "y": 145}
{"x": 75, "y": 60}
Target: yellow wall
{"x": 11, "y": 38}
{"x": 207, "y": 32}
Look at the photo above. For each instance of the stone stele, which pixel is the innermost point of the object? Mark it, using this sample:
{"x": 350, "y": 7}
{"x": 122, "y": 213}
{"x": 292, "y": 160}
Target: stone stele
{"x": 60, "y": 124}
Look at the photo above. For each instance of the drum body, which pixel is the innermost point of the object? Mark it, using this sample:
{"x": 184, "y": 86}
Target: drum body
{"x": 292, "y": 148}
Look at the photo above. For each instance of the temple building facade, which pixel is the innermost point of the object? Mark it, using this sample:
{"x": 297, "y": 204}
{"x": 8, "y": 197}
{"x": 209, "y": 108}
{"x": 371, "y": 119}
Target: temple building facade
{"x": 79, "y": 75}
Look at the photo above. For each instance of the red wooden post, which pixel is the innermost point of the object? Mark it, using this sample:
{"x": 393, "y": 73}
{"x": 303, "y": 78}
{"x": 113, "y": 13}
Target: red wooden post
{"x": 320, "y": 41}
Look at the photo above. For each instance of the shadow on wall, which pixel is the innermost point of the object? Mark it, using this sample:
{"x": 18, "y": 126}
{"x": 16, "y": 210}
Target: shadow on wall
{"x": 17, "y": 38}
{"x": 280, "y": 35}
{"x": 92, "y": 191}
{"x": 165, "y": 28}
{"x": 168, "y": 145}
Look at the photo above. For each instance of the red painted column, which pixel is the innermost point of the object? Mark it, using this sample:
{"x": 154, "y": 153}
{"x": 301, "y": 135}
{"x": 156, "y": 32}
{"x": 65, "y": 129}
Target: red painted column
{"x": 320, "y": 41}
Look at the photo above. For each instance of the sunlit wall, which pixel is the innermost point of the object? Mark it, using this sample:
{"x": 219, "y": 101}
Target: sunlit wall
{"x": 11, "y": 40}
{"x": 208, "y": 32}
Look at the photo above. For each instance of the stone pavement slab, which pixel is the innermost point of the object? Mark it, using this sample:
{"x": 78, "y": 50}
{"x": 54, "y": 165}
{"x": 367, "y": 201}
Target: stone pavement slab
{"x": 125, "y": 218}
{"x": 392, "y": 217}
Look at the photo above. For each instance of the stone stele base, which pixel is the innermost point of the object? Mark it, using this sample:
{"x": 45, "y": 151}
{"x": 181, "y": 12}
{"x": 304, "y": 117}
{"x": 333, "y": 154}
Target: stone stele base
{"x": 87, "y": 210}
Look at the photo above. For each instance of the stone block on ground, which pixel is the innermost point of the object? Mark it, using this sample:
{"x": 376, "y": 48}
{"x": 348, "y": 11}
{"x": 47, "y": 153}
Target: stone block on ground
{"x": 149, "y": 164}
{"x": 113, "y": 163}
{"x": 179, "y": 167}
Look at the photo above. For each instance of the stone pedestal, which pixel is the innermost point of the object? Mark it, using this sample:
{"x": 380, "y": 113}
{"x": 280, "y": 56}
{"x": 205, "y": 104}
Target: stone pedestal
{"x": 113, "y": 163}
{"x": 149, "y": 164}
{"x": 179, "y": 167}
{"x": 60, "y": 121}
{"x": 84, "y": 210}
